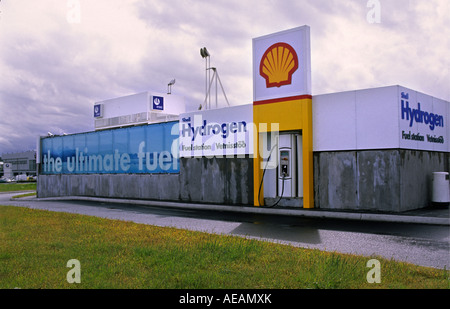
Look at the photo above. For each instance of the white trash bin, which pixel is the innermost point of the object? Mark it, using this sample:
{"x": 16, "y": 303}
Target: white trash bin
{"x": 440, "y": 189}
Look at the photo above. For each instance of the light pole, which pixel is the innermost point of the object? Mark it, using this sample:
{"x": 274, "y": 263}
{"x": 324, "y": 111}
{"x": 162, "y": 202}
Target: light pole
{"x": 205, "y": 54}
{"x": 169, "y": 86}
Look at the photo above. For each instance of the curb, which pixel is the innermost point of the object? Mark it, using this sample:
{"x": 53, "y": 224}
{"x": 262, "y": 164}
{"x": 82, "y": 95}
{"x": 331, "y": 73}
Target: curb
{"x": 268, "y": 211}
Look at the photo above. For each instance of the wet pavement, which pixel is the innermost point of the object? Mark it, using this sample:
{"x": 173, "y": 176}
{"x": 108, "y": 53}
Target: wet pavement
{"x": 430, "y": 215}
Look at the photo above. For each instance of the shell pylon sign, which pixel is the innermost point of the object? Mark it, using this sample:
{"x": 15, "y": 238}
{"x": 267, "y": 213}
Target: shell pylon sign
{"x": 282, "y": 64}
{"x": 282, "y": 97}
{"x": 278, "y": 64}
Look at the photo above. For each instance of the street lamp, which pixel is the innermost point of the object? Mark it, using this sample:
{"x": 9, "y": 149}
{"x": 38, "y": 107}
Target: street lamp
{"x": 205, "y": 54}
{"x": 169, "y": 86}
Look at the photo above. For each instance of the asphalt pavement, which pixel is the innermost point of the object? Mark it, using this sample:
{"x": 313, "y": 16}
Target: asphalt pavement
{"x": 435, "y": 215}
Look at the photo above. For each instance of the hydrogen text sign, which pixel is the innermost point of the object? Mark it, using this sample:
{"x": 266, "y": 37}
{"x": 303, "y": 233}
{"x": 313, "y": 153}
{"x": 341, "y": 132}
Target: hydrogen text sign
{"x": 392, "y": 117}
{"x": 218, "y": 132}
{"x": 423, "y": 121}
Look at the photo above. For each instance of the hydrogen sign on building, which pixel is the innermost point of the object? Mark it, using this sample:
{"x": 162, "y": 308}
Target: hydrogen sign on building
{"x": 139, "y": 149}
{"x": 217, "y": 133}
{"x": 381, "y": 118}
{"x": 423, "y": 121}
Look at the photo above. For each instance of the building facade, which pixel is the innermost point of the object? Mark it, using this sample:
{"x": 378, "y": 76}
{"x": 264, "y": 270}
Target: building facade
{"x": 371, "y": 149}
{"x": 376, "y": 149}
{"x": 22, "y": 163}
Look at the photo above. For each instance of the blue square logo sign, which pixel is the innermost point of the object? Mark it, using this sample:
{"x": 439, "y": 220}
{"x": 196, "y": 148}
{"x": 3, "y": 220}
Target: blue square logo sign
{"x": 158, "y": 103}
{"x": 97, "y": 111}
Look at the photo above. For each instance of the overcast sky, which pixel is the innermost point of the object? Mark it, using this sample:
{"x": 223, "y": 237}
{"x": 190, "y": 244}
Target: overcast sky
{"x": 59, "y": 57}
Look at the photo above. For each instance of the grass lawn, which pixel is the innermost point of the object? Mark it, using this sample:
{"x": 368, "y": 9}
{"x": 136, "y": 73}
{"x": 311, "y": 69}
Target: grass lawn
{"x": 19, "y": 186}
{"x": 35, "y": 246}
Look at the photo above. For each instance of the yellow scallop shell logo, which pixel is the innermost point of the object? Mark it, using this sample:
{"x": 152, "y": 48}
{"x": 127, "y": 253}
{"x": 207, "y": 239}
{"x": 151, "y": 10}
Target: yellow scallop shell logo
{"x": 278, "y": 64}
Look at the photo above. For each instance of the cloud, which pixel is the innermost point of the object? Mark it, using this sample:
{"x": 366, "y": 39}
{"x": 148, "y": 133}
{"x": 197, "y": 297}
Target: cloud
{"x": 54, "y": 70}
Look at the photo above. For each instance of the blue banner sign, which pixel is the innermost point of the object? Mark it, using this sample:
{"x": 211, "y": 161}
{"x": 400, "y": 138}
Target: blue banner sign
{"x": 140, "y": 149}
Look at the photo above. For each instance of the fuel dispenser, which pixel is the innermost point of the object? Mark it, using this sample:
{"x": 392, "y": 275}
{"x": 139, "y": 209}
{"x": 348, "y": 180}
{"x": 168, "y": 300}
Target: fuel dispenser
{"x": 284, "y": 163}
{"x": 285, "y": 179}
{"x": 287, "y": 166}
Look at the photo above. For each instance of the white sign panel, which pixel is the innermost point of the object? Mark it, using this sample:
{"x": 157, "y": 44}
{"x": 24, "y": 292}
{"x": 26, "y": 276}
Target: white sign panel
{"x": 380, "y": 118}
{"x": 282, "y": 64}
{"x": 217, "y": 133}
{"x": 423, "y": 121}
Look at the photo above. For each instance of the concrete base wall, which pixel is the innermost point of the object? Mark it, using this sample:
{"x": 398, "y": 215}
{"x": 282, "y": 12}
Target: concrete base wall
{"x": 202, "y": 180}
{"x": 164, "y": 187}
{"x": 380, "y": 180}
{"x": 217, "y": 180}
{"x": 386, "y": 180}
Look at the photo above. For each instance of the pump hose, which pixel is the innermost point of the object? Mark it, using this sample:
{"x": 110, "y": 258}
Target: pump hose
{"x": 262, "y": 179}
{"x": 282, "y": 191}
